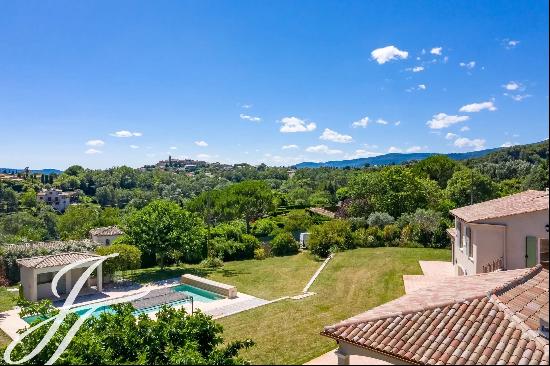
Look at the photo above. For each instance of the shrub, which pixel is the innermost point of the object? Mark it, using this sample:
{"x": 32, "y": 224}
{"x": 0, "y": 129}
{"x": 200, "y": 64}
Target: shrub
{"x": 297, "y": 220}
{"x": 363, "y": 239}
{"x": 331, "y": 233}
{"x": 284, "y": 244}
{"x": 231, "y": 230}
{"x": 211, "y": 262}
{"x": 380, "y": 219}
{"x": 264, "y": 227}
{"x": 358, "y": 223}
{"x": 129, "y": 257}
{"x": 230, "y": 250}
{"x": 259, "y": 253}
{"x": 390, "y": 234}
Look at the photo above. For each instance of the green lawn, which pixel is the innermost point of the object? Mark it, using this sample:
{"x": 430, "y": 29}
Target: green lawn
{"x": 7, "y": 301}
{"x": 287, "y": 332}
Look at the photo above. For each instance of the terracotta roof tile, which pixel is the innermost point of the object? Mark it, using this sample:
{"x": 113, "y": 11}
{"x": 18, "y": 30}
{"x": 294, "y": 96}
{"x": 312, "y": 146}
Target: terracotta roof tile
{"x": 474, "y": 326}
{"x": 523, "y": 202}
{"x": 106, "y": 231}
{"x": 54, "y": 260}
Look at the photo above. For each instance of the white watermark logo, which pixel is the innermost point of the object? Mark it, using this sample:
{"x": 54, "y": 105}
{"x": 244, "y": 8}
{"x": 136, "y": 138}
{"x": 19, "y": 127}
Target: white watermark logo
{"x": 64, "y": 311}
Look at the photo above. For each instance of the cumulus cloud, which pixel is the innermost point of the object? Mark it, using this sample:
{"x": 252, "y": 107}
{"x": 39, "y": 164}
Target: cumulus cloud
{"x": 330, "y": 135}
{"x": 451, "y": 136}
{"x": 380, "y": 121}
{"x": 414, "y": 149}
{"x": 508, "y": 144}
{"x": 442, "y": 120}
{"x": 517, "y": 97}
{"x": 469, "y": 65}
{"x": 436, "y": 51}
{"x": 246, "y": 106}
{"x": 294, "y": 124}
{"x": 397, "y": 123}
{"x": 477, "y": 144}
{"x": 388, "y": 53}
{"x": 394, "y": 149}
{"x": 421, "y": 86}
{"x": 363, "y": 122}
{"x": 288, "y": 147}
{"x": 134, "y": 146}
{"x": 323, "y": 149}
{"x": 478, "y": 107}
{"x": 201, "y": 143}
{"x": 509, "y": 43}
{"x": 92, "y": 151}
{"x": 465, "y": 128}
{"x": 125, "y": 133}
{"x": 173, "y": 148}
{"x": 512, "y": 85}
{"x": 95, "y": 143}
{"x": 416, "y": 68}
{"x": 250, "y": 118}
{"x": 361, "y": 153}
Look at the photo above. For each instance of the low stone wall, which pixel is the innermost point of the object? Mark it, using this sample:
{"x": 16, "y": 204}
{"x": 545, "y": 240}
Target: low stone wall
{"x": 209, "y": 285}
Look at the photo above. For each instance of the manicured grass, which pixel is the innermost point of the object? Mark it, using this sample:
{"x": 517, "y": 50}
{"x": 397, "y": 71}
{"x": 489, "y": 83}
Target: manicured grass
{"x": 268, "y": 279}
{"x": 7, "y": 299}
{"x": 287, "y": 332}
{"x": 4, "y": 339}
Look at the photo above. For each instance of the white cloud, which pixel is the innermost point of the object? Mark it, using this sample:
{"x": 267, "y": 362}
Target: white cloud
{"x": 134, "y": 146}
{"x": 363, "y": 122}
{"x": 436, "y": 51}
{"x": 95, "y": 143}
{"x": 421, "y": 86}
{"x": 414, "y": 149}
{"x": 250, "y": 118}
{"x": 416, "y": 69}
{"x": 509, "y": 43}
{"x": 477, "y": 107}
{"x": 508, "y": 144}
{"x": 369, "y": 146}
{"x": 294, "y": 124}
{"x": 323, "y": 149}
{"x": 246, "y": 106}
{"x": 380, "y": 121}
{"x": 394, "y": 149}
{"x": 397, "y": 123}
{"x": 451, "y": 136}
{"x": 469, "y": 65}
{"x": 477, "y": 144}
{"x": 288, "y": 147}
{"x": 330, "y": 135}
{"x": 465, "y": 128}
{"x": 92, "y": 151}
{"x": 385, "y": 54}
{"x": 124, "y": 133}
{"x": 173, "y": 148}
{"x": 442, "y": 120}
{"x": 517, "y": 97}
{"x": 512, "y": 85}
{"x": 201, "y": 143}
{"x": 361, "y": 153}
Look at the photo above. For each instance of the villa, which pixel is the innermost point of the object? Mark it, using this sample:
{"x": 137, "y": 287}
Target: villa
{"x": 501, "y": 234}
{"x": 105, "y": 235}
{"x": 56, "y": 198}
{"x": 490, "y": 318}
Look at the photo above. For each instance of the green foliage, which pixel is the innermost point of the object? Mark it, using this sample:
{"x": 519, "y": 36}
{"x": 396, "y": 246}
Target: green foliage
{"x": 426, "y": 227}
{"x": 439, "y": 168}
{"x": 334, "y": 233}
{"x": 284, "y": 244}
{"x": 212, "y": 262}
{"x": 129, "y": 257}
{"x": 163, "y": 226}
{"x": 466, "y": 184}
{"x": 264, "y": 227}
{"x": 537, "y": 178}
{"x": 363, "y": 238}
{"x": 231, "y": 250}
{"x": 320, "y": 199}
{"x": 260, "y": 254}
{"x": 249, "y": 200}
{"x": 8, "y": 199}
{"x": 297, "y": 220}
{"x": 174, "y": 337}
{"x": 394, "y": 190}
{"x": 380, "y": 219}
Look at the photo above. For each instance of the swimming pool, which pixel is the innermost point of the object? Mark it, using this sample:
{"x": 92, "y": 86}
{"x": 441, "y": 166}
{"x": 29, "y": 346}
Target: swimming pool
{"x": 198, "y": 295}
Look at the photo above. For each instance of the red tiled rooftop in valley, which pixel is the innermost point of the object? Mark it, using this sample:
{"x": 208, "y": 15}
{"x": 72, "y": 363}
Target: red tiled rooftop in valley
{"x": 523, "y": 202}
{"x": 106, "y": 231}
{"x": 54, "y": 260}
{"x": 481, "y": 319}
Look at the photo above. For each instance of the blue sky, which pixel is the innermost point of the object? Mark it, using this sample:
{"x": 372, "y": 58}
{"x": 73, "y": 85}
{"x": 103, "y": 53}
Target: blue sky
{"x": 128, "y": 82}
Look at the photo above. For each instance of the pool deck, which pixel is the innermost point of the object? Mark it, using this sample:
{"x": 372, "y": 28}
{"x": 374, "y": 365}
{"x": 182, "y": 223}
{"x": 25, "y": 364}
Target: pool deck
{"x": 11, "y": 322}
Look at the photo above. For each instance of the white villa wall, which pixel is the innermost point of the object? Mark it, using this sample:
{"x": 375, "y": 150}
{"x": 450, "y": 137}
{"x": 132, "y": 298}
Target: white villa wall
{"x": 102, "y": 239}
{"x": 488, "y": 241}
{"x": 518, "y": 228}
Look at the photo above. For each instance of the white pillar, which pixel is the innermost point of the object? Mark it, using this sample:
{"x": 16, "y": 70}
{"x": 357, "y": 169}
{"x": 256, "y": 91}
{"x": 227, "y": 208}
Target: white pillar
{"x": 100, "y": 278}
{"x": 343, "y": 358}
{"x": 33, "y": 293}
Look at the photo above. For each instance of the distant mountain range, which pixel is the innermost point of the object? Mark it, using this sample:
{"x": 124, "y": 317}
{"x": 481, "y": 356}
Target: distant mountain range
{"x": 39, "y": 171}
{"x": 391, "y": 159}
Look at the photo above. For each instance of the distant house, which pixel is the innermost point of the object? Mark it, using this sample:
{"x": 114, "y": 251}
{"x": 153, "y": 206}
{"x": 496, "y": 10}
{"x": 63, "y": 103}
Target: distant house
{"x": 105, "y": 235}
{"x": 498, "y": 318}
{"x": 56, "y": 198}
{"x": 506, "y": 233}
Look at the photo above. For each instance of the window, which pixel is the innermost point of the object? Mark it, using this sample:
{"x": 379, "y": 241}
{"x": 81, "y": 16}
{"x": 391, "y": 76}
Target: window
{"x": 469, "y": 244}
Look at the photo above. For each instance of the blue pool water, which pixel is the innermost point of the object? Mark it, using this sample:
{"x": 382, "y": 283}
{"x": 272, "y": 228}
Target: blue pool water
{"x": 199, "y": 295}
